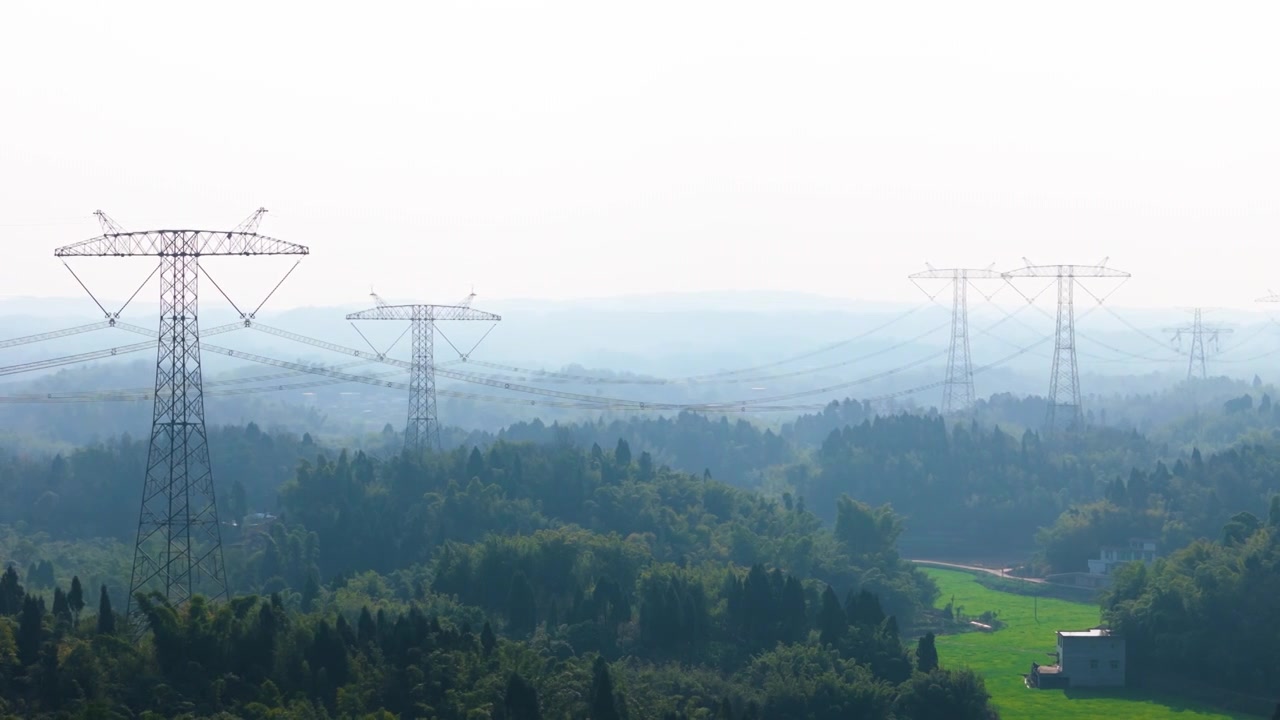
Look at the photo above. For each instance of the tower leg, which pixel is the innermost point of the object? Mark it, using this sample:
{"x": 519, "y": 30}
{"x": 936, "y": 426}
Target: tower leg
{"x": 957, "y": 392}
{"x": 179, "y": 542}
{"x": 1064, "y": 381}
{"x": 1196, "y": 359}
{"x": 422, "y": 429}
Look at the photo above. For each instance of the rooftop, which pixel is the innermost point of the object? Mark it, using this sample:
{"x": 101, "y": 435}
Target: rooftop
{"x": 1091, "y": 632}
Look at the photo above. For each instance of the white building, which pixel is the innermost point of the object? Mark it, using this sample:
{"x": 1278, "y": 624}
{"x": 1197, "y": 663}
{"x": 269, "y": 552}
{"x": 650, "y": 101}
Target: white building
{"x": 1138, "y": 550}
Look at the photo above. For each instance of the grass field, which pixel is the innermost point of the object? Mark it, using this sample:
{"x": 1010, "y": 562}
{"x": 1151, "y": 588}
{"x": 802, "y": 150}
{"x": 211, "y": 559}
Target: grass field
{"x": 1003, "y": 656}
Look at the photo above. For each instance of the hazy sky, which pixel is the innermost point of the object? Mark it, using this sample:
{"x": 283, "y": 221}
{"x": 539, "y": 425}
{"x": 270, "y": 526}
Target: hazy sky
{"x": 587, "y": 149}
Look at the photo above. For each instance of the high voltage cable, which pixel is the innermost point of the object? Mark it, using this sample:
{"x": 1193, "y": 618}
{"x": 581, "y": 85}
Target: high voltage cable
{"x": 1119, "y": 317}
{"x": 515, "y": 387}
{"x": 709, "y": 377}
{"x": 505, "y": 384}
{"x": 1100, "y": 301}
{"x": 729, "y": 407}
{"x": 809, "y": 354}
{"x": 707, "y": 408}
{"x": 1262, "y": 328}
{"x": 148, "y": 392}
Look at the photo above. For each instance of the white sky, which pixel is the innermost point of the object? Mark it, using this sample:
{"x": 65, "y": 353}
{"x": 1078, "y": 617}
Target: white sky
{"x": 589, "y": 149}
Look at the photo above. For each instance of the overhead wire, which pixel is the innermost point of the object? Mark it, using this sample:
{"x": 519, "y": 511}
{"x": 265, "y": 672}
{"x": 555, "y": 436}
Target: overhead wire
{"x": 696, "y": 379}
{"x": 144, "y": 394}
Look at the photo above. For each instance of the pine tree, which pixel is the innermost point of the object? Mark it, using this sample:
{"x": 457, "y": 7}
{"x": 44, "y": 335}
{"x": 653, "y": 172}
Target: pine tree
{"x": 366, "y": 629}
{"x": 475, "y": 464}
{"x": 522, "y": 611}
{"x": 622, "y": 454}
{"x": 646, "y": 465}
{"x": 487, "y": 639}
{"x": 75, "y": 598}
{"x": 11, "y": 592}
{"x": 927, "y": 653}
{"x": 106, "y": 616}
{"x": 61, "y": 610}
{"x": 833, "y": 623}
{"x": 30, "y": 630}
{"x": 794, "y": 622}
{"x": 46, "y": 574}
{"x": 520, "y": 700}
{"x": 601, "y": 702}
{"x": 890, "y": 628}
{"x": 310, "y": 589}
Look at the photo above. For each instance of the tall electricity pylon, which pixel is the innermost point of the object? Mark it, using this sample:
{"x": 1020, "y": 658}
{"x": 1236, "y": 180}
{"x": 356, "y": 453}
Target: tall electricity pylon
{"x": 1198, "y": 332}
{"x": 179, "y": 542}
{"x": 957, "y": 390}
{"x": 423, "y": 427}
{"x": 1064, "y": 378}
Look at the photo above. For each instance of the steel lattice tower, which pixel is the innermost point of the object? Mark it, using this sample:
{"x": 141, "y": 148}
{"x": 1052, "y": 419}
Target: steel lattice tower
{"x": 957, "y": 390}
{"x": 422, "y": 429}
{"x": 179, "y": 543}
{"x": 1197, "y": 330}
{"x": 1064, "y": 379}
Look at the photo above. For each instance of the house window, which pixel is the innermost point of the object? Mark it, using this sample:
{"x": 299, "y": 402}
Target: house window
{"x": 1115, "y": 664}
{"x": 1093, "y": 664}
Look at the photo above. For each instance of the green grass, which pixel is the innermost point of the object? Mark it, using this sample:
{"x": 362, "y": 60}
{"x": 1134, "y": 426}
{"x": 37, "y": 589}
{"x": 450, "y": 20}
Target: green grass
{"x": 1028, "y": 635}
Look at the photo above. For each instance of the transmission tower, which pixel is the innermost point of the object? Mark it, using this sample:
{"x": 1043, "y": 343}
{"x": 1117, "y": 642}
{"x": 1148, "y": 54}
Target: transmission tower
{"x": 179, "y": 543}
{"x": 423, "y": 426}
{"x": 1198, "y": 332}
{"x": 1065, "y": 408}
{"x": 957, "y": 390}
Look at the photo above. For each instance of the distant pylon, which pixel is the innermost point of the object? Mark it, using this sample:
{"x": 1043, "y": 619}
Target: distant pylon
{"x": 179, "y": 544}
{"x": 423, "y": 427}
{"x": 1198, "y": 331}
{"x": 957, "y": 390}
{"x": 1065, "y": 409}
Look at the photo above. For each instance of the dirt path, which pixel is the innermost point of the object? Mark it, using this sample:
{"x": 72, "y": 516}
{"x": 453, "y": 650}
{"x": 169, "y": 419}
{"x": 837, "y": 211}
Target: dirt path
{"x": 998, "y": 572}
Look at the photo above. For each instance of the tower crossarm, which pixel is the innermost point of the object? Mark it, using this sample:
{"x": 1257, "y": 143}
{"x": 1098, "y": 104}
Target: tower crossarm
{"x": 952, "y": 273}
{"x": 174, "y": 243}
{"x": 1206, "y": 329}
{"x": 423, "y": 312}
{"x": 1054, "y": 271}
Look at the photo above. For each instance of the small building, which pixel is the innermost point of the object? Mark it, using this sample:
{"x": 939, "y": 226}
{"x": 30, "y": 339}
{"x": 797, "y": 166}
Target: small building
{"x": 1138, "y": 550}
{"x": 1086, "y": 658}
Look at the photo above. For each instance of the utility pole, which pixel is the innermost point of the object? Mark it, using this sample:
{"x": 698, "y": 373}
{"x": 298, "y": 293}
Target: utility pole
{"x": 1197, "y": 331}
{"x": 957, "y": 390}
{"x": 423, "y": 427}
{"x": 179, "y": 543}
{"x": 1065, "y": 408}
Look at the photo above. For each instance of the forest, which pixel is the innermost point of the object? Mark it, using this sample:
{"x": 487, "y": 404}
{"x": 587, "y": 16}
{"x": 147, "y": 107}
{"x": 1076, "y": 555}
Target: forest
{"x": 683, "y": 567}
{"x": 1207, "y": 613}
{"x": 553, "y": 582}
